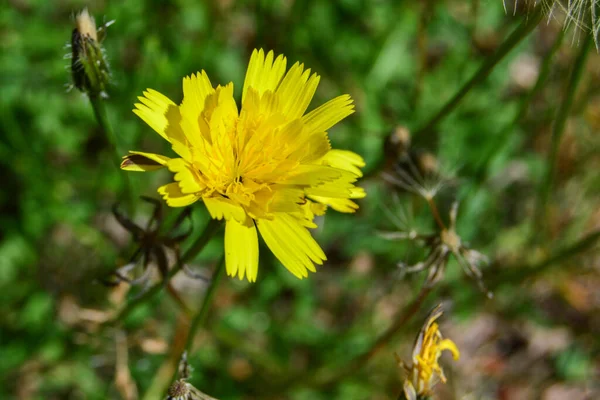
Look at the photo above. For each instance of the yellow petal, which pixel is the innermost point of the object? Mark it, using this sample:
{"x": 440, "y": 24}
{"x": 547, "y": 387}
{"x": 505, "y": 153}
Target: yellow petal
{"x": 140, "y": 161}
{"x": 303, "y": 146}
{"x": 174, "y": 197}
{"x": 329, "y": 114}
{"x": 220, "y": 207}
{"x": 263, "y": 73}
{"x": 152, "y": 110}
{"x": 357, "y": 193}
{"x": 241, "y": 249}
{"x": 296, "y": 91}
{"x": 186, "y": 176}
{"x": 312, "y": 175}
{"x": 448, "y": 344}
{"x": 196, "y": 88}
{"x": 162, "y": 115}
{"x": 291, "y": 243}
{"x": 340, "y": 205}
{"x": 341, "y": 186}
{"x": 346, "y": 160}
{"x": 223, "y": 117}
{"x": 286, "y": 199}
{"x": 220, "y": 113}
{"x": 175, "y": 135}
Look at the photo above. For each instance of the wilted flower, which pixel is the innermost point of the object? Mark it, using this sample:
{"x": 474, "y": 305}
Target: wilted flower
{"x": 425, "y": 371}
{"x": 268, "y": 166}
{"x": 89, "y": 67}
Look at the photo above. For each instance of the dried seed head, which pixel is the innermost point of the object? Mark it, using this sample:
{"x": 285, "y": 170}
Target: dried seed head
{"x": 441, "y": 246}
{"x": 179, "y": 390}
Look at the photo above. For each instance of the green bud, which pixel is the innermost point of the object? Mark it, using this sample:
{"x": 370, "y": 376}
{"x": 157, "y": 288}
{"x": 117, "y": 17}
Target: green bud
{"x": 89, "y": 68}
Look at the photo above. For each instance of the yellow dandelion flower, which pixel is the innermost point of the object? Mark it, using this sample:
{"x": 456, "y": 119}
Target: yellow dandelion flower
{"x": 267, "y": 167}
{"x": 425, "y": 370}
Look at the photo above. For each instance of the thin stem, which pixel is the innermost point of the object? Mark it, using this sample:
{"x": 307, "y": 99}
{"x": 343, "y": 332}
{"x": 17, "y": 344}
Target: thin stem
{"x": 422, "y": 44}
{"x": 200, "y": 318}
{"x": 523, "y": 108}
{"x": 519, "y": 273}
{"x": 436, "y": 214}
{"x": 102, "y": 119}
{"x": 192, "y": 252}
{"x": 178, "y": 300}
{"x": 164, "y": 375}
{"x": 486, "y": 68}
{"x": 324, "y": 376}
{"x": 474, "y": 16}
{"x": 168, "y": 371}
{"x": 557, "y": 131}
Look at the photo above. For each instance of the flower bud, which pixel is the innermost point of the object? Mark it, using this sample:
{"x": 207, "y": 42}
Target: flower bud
{"x": 89, "y": 67}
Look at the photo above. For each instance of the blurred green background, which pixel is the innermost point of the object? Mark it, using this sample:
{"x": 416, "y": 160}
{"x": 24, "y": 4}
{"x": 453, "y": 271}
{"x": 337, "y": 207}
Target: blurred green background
{"x": 400, "y": 61}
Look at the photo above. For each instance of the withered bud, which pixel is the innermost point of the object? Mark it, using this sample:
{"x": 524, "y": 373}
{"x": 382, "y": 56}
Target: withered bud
{"x": 397, "y": 143}
{"x": 89, "y": 67}
{"x": 178, "y": 390}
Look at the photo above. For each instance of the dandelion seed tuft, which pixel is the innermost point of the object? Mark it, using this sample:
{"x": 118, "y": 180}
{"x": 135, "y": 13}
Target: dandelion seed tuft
{"x": 584, "y": 15}
{"x": 441, "y": 245}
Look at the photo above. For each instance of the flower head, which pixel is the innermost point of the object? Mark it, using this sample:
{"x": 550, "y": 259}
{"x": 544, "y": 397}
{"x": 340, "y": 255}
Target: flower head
{"x": 267, "y": 167}
{"x": 425, "y": 370}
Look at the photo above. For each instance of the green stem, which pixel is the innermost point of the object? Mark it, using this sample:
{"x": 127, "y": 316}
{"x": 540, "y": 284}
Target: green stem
{"x": 480, "y": 174}
{"x": 426, "y": 12}
{"x": 474, "y": 17}
{"x": 192, "y": 252}
{"x": 102, "y": 119}
{"x": 326, "y": 376}
{"x": 168, "y": 372}
{"x": 200, "y": 318}
{"x": 519, "y": 273}
{"x": 557, "y": 132}
{"x": 486, "y": 68}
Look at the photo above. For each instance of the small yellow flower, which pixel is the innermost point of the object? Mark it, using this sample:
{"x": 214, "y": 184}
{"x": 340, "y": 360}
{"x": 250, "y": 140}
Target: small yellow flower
{"x": 266, "y": 167}
{"x": 425, "y": 370}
